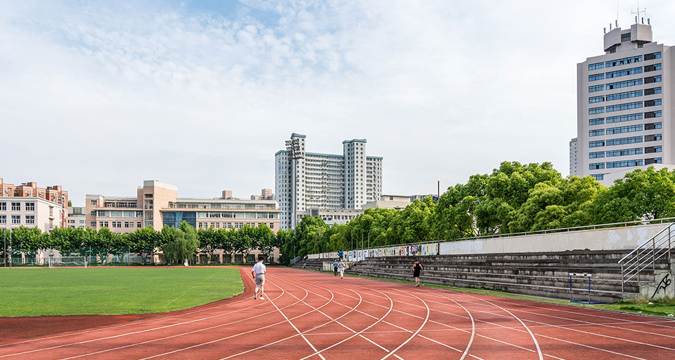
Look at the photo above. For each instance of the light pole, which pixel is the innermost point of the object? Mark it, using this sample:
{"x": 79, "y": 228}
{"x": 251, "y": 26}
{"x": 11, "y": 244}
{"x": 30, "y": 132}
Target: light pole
{"x": 10, "y": 249}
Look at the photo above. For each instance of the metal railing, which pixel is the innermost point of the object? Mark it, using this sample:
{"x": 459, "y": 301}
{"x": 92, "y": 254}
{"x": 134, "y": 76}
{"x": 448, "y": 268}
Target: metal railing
{"x": 646, "y": 255}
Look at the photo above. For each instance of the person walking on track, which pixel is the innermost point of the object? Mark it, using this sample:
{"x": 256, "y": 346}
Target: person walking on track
{"x": 258, "y": 275}
{"x": 417, "y": 272}
{"x": 341, "y": 269}
{"x": 335, "y": 267}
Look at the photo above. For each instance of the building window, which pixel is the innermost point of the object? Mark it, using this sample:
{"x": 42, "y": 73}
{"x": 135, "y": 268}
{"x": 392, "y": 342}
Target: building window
{"x": 653, "y": 126}
{"x": 624, "y": 61}
{"x": 128, "y": 224}
{"x": 653, "y": 114}
{"x": 624, "y": 152}
{"x": 624, "y": 95}
{"x": 625, "y": 37}
{"x": 138, "y": 224}
{"x": 655, "y": 137}
{"x": 598, "y": 176}
{"x": 596, "y": 66}
{"x": 652, "y": 56}
{"x": 624, "y": 163}
{"x": 622, "y": 118}
{"x": 624, "y": 129}
{"x": 30, "y": 206}
{"x": 652, "y": 91}
{"x": 597, "y": 154}
{"x": 16, "y": 206}
{"x": 653, "y": 79}
{"x": 596, "y": 99}
{"x": 653, "y": 161}
{"x": 598, "y": 132}
{"x": 654, "y": 67}
{"x": 653, "y": 149}
{"x": 624, "y": 141}
{"x": 596, "y": 77}
{"x": 596, "y": 166}
{"x": 93, "y": 202}
{"x": 30, "y": 219}
{"x": 597, "y": 110}
{"x": 16, "y": 219}
{"x": 92, "y": 224}
{"x": 595, "y": 88}
{"x": 3, "y": 219}
{"x": 626, "y": 72}
{"x": 3, "y": 206}
{"x": 655, "y": 102}
{"x": 623, "y": 84}
{"x": 625, "y": 106}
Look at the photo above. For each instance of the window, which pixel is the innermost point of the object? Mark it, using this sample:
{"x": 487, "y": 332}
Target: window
{"x": 624, "y": 129}
{"x": 626, "y": 72}
{"x": 596, "y": 77}
{"x": 596, "y": 166}
{"x": 3, "y": 219}
{"x": 3, "y": 206}
{"x": 624, "y": 61}
{"x": 653, "y": 114}
{"x": 596, "y": 155}
{"x": 652, "y": 126}
{"x": 624, "y": 95}
{"x": 653, "y": 161}
{"x": 625, "y": 106}
{"x": 30, "y": 219}
{"x": 623, "y": 141}
{"x": 597, "y": 110}
{"x": 93, "y": 202}
{"x": 655, "y": 137}
{"x": 625, "y": 37}
{"x": 624, "y": 152}
{"x": 623, "y": 84}
{"x": 128, "y": 224}
{"x": 652, "y": 91}
{"x": 138, "y": 224}
{"x": 653, "y": 79}
{"x": 272, "y": 226}
{"x": 653, "y": 149}
{"x": 596, "y": 99}
{"x": 622, "y": 118}
{"x": 30, "y": 206}
{"x": 598, "y": 132}
{"x": 598, "y": 121}
{"x": 655, "y": 102}
{"x": 598, "y": 176}
{"x": 652, "y": 56}
{"x": 595, "y": 88}
{"x": 624, "y": 163}
{"x": 16, "y": 219}
{"x": 653, "y": 67}
{"x": 92, "y": 224}
{"x": 596, "y": 66}
{"x": 16, "y": 206}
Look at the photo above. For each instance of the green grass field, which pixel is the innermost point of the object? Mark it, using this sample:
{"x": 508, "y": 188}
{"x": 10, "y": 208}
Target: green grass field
{"x": 108, "y": 291}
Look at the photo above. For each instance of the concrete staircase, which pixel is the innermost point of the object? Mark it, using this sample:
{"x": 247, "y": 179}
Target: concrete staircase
{"x": 538, "y": 274}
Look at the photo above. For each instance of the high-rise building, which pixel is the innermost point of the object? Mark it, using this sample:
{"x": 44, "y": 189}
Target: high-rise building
{"x": 574, "y": 157}
{"x": 624, "y": 103}
{"x": 306, "y": 180}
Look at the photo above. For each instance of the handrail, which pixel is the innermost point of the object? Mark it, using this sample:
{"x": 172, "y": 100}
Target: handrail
{"x": 647, "y": 254}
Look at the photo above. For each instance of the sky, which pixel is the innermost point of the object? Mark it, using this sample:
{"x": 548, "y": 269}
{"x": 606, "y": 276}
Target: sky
{"x": 98, "y": 96}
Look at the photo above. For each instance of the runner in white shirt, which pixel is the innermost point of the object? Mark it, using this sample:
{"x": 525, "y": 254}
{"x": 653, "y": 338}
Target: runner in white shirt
{"x": 258, "y": 274}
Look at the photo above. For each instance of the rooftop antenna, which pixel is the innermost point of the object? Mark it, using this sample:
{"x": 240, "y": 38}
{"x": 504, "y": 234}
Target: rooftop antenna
{"x": 639, "y": 12}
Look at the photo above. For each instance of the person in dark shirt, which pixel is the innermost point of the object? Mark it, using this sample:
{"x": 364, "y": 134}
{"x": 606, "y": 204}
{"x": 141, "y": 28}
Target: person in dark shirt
{"x": 417, "y": 272}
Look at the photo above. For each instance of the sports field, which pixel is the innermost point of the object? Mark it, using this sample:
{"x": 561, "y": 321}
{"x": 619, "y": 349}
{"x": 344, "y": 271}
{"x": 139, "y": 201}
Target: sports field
{"x": 111, "y": 291}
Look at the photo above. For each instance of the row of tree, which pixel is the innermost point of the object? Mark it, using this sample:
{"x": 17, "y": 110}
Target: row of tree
{"x": 177, "y": 244}
{"x": 513, "y": 198}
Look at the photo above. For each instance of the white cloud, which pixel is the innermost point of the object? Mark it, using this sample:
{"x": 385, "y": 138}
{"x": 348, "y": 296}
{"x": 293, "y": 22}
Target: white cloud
{"x": 98, "y": 97}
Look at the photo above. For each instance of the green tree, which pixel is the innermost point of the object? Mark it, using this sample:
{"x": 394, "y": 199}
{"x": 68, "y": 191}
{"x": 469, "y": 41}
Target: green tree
{"x": 182, "y": 246}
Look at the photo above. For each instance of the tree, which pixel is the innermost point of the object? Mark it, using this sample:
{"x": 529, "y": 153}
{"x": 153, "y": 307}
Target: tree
{"x": 266, "y": 240}
{"x": 183, "y": 245}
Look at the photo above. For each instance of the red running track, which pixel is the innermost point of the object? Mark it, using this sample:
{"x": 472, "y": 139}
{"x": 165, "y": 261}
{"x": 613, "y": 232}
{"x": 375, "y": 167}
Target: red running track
{"x": 309, "y": 315}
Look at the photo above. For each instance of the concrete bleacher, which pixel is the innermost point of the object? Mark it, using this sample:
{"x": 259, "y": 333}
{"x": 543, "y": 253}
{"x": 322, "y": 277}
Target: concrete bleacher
{"x": 538, "y": 274}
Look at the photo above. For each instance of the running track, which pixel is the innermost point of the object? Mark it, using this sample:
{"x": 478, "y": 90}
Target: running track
{"x": 309, "y": 315}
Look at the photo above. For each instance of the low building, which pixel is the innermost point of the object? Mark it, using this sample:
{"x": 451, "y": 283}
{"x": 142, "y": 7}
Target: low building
{"x": 398, "y": 202}
{"x": 332, "y": 216}
{"x": 30, "y": 212}
{"x": 53, "y": 194}
{"x": 77, "y": 217}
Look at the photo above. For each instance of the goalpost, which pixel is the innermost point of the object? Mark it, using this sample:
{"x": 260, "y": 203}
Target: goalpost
{"x": 67, "y": 261}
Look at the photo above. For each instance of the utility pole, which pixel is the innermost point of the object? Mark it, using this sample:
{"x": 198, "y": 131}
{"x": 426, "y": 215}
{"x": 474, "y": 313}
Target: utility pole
{"x": 4, "y": 246}
{"x": 10, "y": 249}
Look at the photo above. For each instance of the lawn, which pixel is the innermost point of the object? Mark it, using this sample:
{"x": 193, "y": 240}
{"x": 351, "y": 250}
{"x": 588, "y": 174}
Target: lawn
{"x": 37, "y": 292}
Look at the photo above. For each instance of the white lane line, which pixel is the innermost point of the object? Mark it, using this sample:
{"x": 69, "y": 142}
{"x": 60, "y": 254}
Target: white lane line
{"x": 185, "y": 333}
{"x": 473, "y": 330}
{"x": 426, "y": 319}
{"x": 125, "y": 334}
{"x": 139, "y": 322}
{"x": 348, "y": 328}
{"x": 247, "y": 332}
{"x": 536, "y": 343}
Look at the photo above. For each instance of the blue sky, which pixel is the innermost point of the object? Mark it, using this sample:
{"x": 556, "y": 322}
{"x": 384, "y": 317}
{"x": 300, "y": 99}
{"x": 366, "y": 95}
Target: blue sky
{"x": 99, "y": 95}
